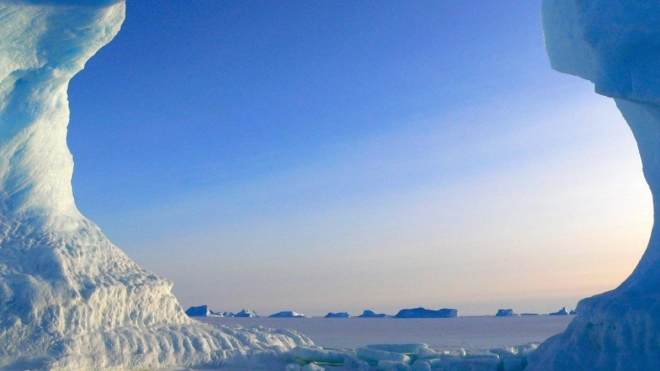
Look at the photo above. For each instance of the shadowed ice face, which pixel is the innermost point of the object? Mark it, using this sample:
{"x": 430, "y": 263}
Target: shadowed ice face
{"x": 600, "y": 41}
{"x": 42, "y": 48}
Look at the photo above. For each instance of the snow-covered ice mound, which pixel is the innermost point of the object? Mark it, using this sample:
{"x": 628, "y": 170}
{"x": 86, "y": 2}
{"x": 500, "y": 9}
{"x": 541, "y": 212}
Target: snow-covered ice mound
{"x": 616, "y": 45}
{"x": 69, "y": 299}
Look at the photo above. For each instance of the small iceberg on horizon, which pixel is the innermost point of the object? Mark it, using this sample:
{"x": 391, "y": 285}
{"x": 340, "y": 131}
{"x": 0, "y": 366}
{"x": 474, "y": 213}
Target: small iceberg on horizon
{"x": 561, "y": 312}
{"x": 204, "y": 311}
{"x": 427, "y": 313}
{"x": 505, "y": 313}
{"x": 287, "y": 314}
{"x": 246, "y": 313}
{"x": 337, "y": 315}
{"x": 370, "y": 314}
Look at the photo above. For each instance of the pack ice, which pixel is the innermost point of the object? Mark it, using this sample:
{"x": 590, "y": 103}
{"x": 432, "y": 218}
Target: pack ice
{"x": 409, "y": 357}
{"x": 69, "y": 299}
{"x": 616, "y": 45}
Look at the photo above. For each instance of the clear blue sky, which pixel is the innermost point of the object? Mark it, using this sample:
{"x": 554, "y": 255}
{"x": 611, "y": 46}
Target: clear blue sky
{"x": 339, "y": 155}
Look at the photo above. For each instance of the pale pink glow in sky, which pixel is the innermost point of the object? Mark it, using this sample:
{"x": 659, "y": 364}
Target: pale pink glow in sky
{"x": 535, "y": 234}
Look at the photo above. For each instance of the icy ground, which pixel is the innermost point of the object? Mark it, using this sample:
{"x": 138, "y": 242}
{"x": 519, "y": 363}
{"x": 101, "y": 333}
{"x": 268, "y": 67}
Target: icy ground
{"x": 479, "y": 332}
{"x": 464, "y": 343}
{"x": 397, "y": 357}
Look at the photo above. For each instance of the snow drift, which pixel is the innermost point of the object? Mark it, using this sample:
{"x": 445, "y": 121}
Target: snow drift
{"x": 69, "y": 299}
{"x": 616, "y": 45}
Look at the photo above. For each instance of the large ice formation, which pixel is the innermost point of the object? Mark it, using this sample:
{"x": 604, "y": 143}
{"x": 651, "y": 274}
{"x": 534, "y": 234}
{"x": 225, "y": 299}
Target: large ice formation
{"x": 69, "y": 299}
{"x": 616, "y": 45}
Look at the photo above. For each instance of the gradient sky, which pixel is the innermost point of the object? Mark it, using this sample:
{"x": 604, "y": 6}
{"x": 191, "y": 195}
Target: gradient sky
{"x": 325, "y": 156}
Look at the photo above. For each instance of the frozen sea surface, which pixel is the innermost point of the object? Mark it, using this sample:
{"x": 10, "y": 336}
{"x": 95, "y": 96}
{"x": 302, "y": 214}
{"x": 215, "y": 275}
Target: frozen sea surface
{"x": 478, "y": 332}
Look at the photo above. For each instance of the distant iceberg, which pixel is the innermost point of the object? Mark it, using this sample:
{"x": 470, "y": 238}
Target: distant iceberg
{"x": 222, "y": 314}
{"x": 370, "y": 314}
{"x": 505, "y": 313}
{"x": 561, "y": 312}
{"x": 287, "y": 314}
{"x": 427, "y": 313}
{"x": 337, "y": 315}
{"x": 200, "y": 311}
{"x": 246, "y": 313}
{"x": 204, "y": 311}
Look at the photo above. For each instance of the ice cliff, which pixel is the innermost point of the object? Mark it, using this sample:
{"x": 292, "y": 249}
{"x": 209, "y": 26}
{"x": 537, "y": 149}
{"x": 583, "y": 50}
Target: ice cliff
{"x": 616, "y": 45}
{"x": 69, "y": 299}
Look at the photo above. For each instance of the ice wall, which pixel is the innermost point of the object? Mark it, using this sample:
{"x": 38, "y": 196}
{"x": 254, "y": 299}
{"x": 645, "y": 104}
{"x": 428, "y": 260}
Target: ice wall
{"x": 69, "y": 299}
{"x": 616, "y": 45}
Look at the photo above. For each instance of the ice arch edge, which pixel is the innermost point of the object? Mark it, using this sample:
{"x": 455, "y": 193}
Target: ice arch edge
{"x": 69, "y": 298}
{"x": 616, "y": 45}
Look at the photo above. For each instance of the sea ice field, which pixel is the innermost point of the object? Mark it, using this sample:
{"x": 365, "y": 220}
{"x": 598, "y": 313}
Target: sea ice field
{"x": 472, "y": 341}
{"x": 469, "y": 332}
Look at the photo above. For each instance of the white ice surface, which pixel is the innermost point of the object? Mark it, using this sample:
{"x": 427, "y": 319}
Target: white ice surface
{"x": 69, "y": 299}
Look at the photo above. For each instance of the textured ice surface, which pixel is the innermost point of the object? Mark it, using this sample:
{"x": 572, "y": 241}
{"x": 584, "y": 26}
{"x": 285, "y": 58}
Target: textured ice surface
{"x": 318, "y": 354}
{"x": 375, "y": 355}
{"x": 69, "y": 299}
{"x": 410, "y": 357}
{"x": 616, "y": 45}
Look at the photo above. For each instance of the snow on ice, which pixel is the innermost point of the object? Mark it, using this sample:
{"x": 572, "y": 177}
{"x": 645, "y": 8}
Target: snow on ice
{"x": 70, "y": 299}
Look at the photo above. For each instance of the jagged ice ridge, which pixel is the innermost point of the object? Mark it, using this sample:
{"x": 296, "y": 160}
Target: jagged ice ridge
{"x": 70, "y": 299}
